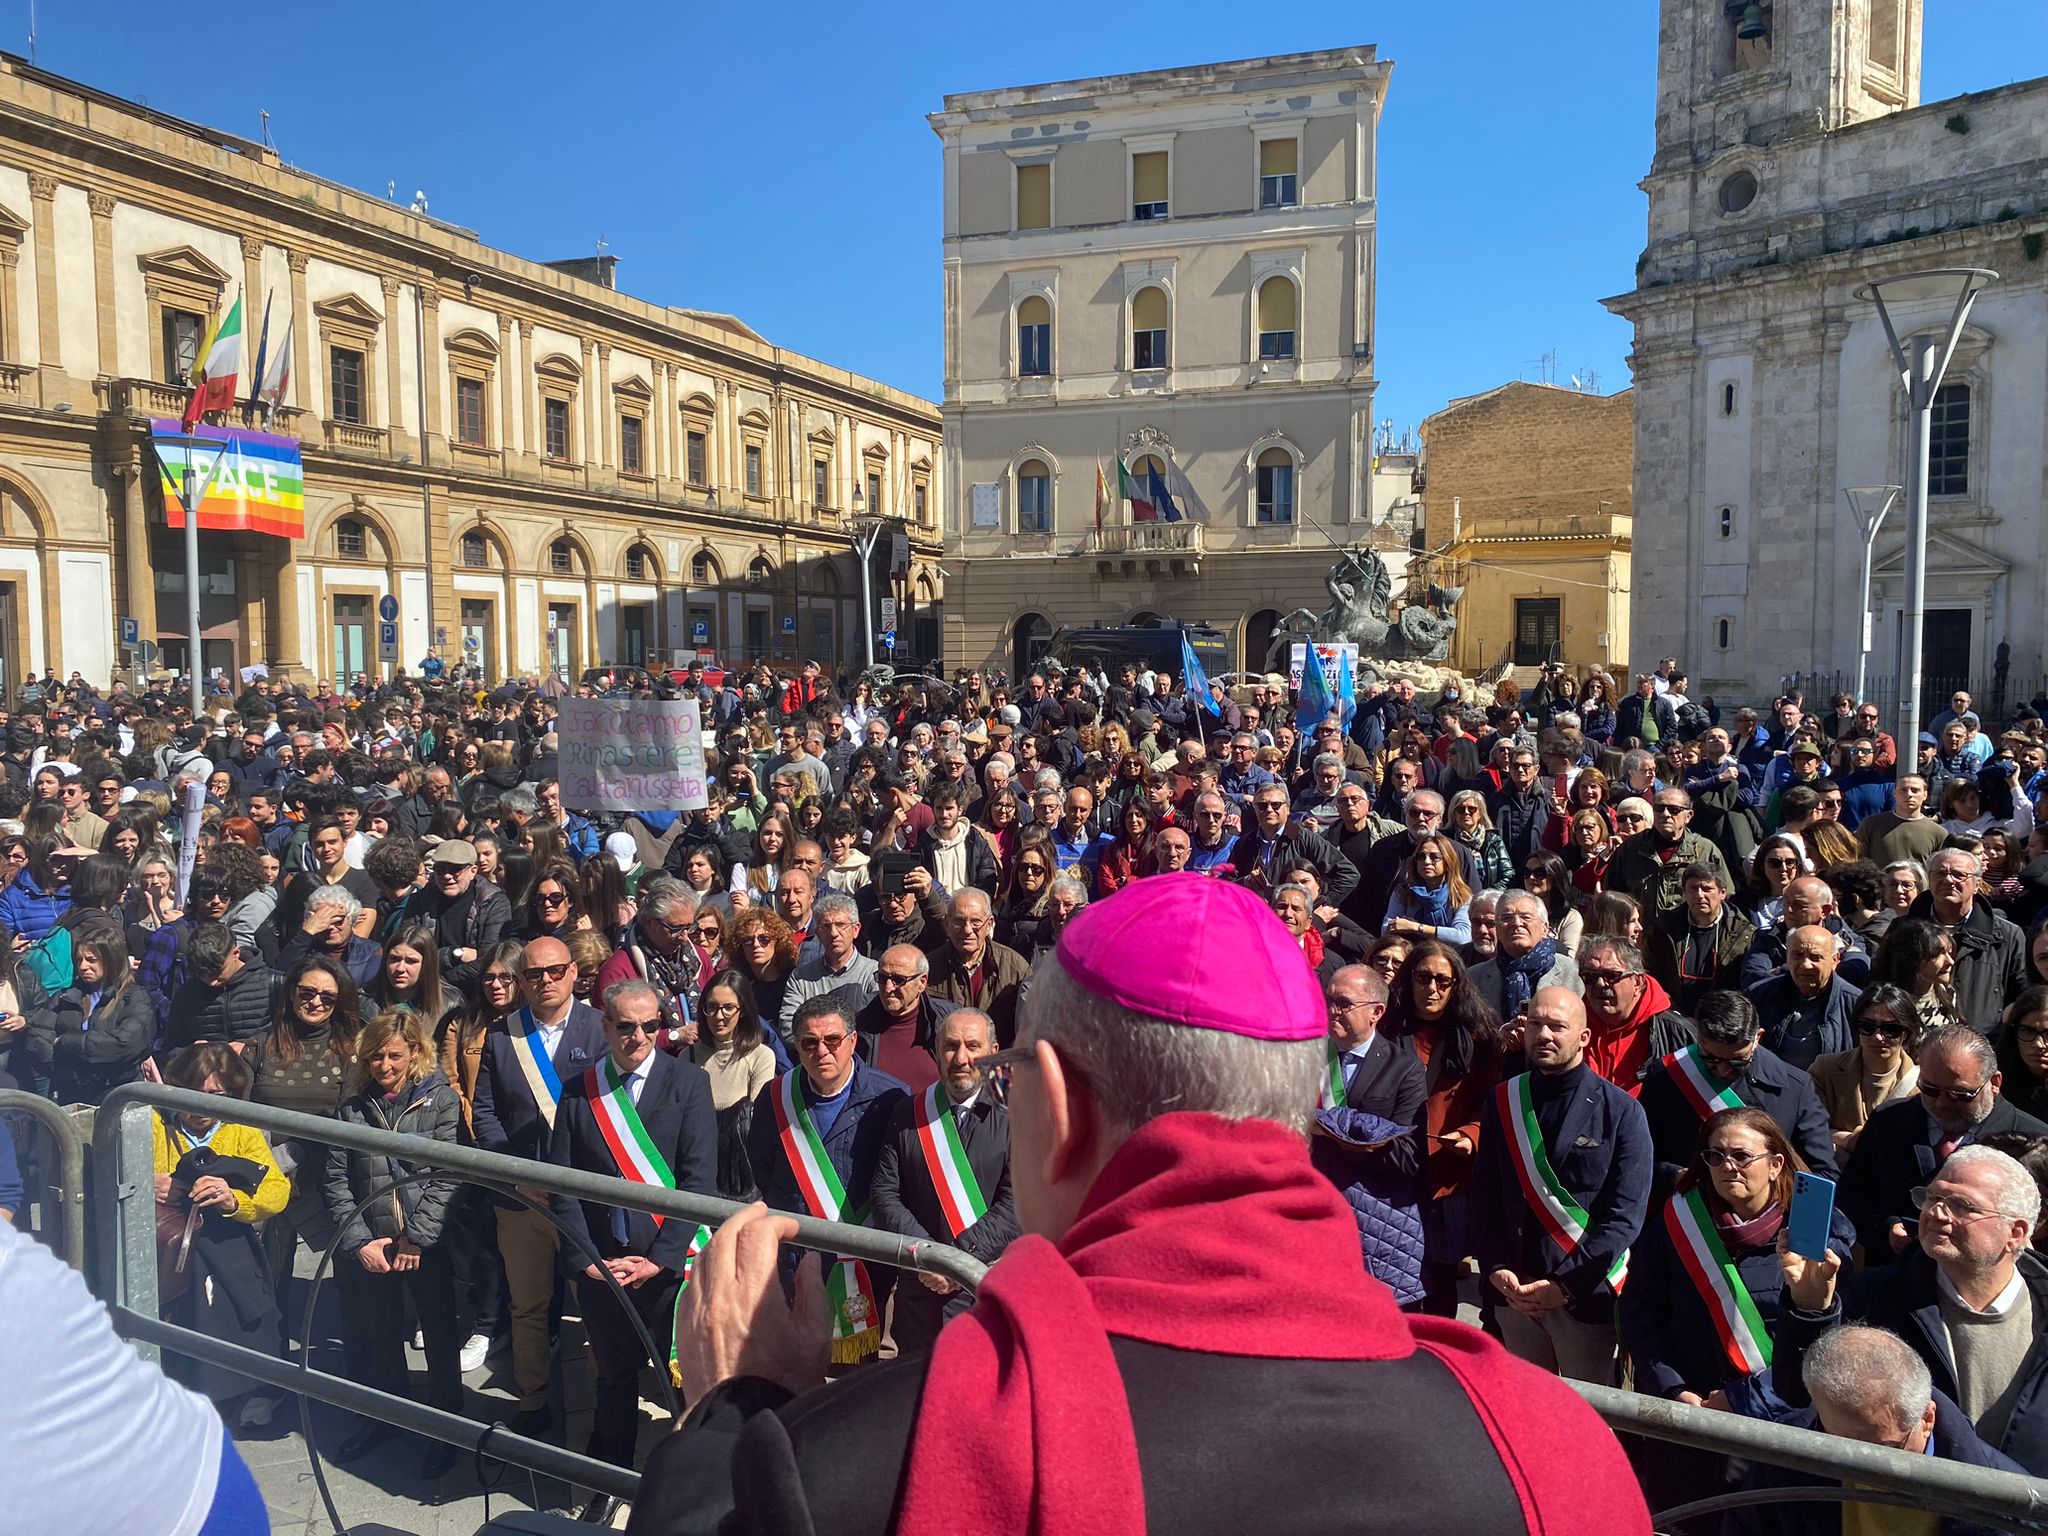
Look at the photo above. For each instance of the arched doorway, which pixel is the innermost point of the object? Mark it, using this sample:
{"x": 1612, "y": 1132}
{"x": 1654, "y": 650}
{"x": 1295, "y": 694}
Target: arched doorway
{"x": 1029, "y": 638}
{"x": 1258, "y": 637}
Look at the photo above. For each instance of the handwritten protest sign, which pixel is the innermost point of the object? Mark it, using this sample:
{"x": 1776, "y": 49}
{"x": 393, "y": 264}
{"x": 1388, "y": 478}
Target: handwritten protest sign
{"x": 631, "y": 754}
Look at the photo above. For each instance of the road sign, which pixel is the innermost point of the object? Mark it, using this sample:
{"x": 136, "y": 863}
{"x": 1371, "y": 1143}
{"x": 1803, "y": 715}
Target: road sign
{"x": 131, "y": 633}
{"x": 789, "y": 623}
{"x": 387, "y": 608}
{"x": 888, "y": 613}
{"x": 700, "y": 631}
{"x": 387, "y": 640}
{"x": 472, "y": 643}
{"x": 151, "y": 650}
{"x": 441, "y": 635}
{"x": 889, "y": 638}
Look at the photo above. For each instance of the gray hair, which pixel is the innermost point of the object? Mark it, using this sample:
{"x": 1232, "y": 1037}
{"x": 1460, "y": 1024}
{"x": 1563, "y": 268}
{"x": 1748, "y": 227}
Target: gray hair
{"x": 1139, "y": 1067}
{"x": 1566, "y": 720}
{"x": 1521, "y": 897}
{"x": 1960, "y": 1037}
{"x": 1375, "y": 983}
{"x": 663, "y": 894}
{"x": 1635, "y": 758}
{"x": 1913, "y": 867}
{"x": 1945, "y": 855}
{"x": 1630, "y": 957}
{"x": 1408, "y": 800}
{"x": 632, "y": 986}
{"x": 1469, "y": 797}
{"x": 335, "y": 896}
{"x": 1068, "y": 885}
{"x": 519, "y": 799}
{"x": 837, "y": 901}
{"x": 1860, "y": 1367}
{"x": 2019, "y": 1197}
{"x": 1294, "y": 888}
{"x": 961, "y": 1015}
{"x": 1046, "y": 778}
{"x": 1328, "y": 760}
{"x": 965, "y": 891}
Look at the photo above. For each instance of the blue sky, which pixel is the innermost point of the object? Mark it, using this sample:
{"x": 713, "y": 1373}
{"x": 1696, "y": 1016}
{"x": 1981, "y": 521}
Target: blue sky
{"x": 776, "y": 164}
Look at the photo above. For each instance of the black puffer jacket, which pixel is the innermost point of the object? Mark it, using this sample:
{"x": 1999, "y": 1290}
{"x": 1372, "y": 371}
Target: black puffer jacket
{"x": 430, "y": 1109}
{"x": 85, "y": 1062}
{"x": 241, "y": 1010}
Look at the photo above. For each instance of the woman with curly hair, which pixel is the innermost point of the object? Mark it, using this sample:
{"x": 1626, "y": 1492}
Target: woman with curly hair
{"x": 762, "y": 946}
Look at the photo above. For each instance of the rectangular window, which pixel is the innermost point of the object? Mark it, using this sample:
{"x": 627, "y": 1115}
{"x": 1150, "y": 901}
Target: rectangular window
{"x": 183, "y": 331}
{"x": 350, "y": 541}
{"x": 1034, "y": 196}
{"x": 629, "y": 445}
{"x": 1948, "y": 454}
{"x": 557, "y": 428}
{"x": 1034, "y": 503}
{"x": 636, "y": 564}
{"x": 1276, "y": 493}
{"x": 875, "y": 508}
{"x": 693, "y": 458}
{"x": 474, "y": 555}
{"x": 917, "y": 501}
{"x": 1279, "y": 185}
{"x": 1276, "y": 344}
{"x": 753, "y": 469}
{"x": 821, "y": 483}
{"x": 1034, "y": 350}
{"x": 345, "y": 386}
{"x": 469, "y": 412}
{"x": 1148, "y": 349}
{"x": 1148, "y": 185}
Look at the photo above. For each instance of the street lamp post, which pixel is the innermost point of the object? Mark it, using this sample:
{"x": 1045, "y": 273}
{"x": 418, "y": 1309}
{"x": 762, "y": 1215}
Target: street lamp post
{"x": 1922, "y": 364}
{"x": 864, "y": 544}
{"x": 1870, "y": 503}
{"x": 192, "y": 493}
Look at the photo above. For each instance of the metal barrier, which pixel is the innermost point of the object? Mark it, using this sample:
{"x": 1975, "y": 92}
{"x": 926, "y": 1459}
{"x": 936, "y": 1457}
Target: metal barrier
{"x": 126, "y": 1206}
{"x": 124, "y": 1157}
{"x": 70, "y": 1186}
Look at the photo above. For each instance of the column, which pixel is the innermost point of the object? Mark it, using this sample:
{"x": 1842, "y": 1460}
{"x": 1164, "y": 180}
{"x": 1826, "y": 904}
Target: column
{"x": 138, "y": 576}
{"x": 394, "y": 376}
{"x": 661, "y": 410}
{"x": 102, "y": 206}
{"x": 10, "y": 303}
{"x": 303, "y": 360}
{"x": 589, "y": 403}
{"x": 529, "y": 399}
{"x": 849, "y": 465}
{"x": 430, "y": 314}
{"x": 605, "y": 414}
{"x": 721, "y": 481}
{"x": 42, "y": 197}
{"x": 253, "y": 298}
{"x": 508, "y": 386}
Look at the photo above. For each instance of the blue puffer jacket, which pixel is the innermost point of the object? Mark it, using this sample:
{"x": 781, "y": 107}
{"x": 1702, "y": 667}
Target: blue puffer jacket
{"x": 1382, "y": 1198}
{"x": 29, "y": 911}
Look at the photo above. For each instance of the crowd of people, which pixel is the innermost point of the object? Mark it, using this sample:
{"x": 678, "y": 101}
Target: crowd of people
{"x": 1599, "y": 973}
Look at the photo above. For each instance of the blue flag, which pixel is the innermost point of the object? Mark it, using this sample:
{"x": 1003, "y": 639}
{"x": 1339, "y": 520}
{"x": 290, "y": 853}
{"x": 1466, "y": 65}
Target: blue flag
{"x": 1313, "y": 704}
{"x": 1162, "y": 499}
{"x": 1195, "y": 679}
{"x": 1347, "y": 689}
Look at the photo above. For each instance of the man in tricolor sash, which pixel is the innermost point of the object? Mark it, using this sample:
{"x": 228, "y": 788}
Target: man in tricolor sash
{"x": 529, "y": 1053}
{"x": 646, "y": 1117}
{"x": 1187, "y": 1295}
{"x": 944, "y": 1175}
{"x": 1562, "y": 1189}
{"x": 1729, "y": 1067}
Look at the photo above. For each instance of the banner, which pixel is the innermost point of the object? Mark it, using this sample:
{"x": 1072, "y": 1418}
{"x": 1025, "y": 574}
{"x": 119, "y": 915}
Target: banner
{"x": 1328, "y": 655}
{"x": 631, "y": 754}
{"x": 255, "y": 482}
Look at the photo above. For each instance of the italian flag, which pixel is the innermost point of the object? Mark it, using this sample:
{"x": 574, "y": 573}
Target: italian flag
{"x": 1132, "y": 491}
{"x": 220, "y": 364}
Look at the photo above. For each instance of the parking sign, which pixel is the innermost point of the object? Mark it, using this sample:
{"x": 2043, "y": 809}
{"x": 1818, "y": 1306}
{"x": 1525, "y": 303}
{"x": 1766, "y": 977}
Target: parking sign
{"x": 387, "y": 642}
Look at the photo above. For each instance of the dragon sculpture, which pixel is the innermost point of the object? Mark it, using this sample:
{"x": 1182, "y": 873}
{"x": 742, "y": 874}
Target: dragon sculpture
{"x": 1364, "y": 612}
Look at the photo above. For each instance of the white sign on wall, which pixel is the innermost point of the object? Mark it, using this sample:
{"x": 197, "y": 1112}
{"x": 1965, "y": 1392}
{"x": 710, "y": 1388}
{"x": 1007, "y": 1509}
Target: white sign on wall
{"x": 987, "y": 506}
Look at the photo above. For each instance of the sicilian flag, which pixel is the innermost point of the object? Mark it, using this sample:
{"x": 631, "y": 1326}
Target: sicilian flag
{"x": 220, "y": 364}
{"x": 1143, "y": 509}
{"x": 1101, "y": 494}
{"x": 1184, "y": 493}
{"x": 1161, "y": 497}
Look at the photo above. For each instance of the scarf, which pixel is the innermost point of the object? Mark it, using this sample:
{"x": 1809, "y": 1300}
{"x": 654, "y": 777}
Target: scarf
{"x": 1760, "y": 1231}
{"x": 1312, "y": 948}
{"x": 1205, "y": 1235}
{"x": 1432, "y": 905}
{"x": 1518, "y": 978}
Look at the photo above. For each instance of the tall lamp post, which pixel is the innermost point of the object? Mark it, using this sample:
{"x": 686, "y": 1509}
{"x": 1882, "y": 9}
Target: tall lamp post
{"x": 193, "y": 490}
{"x": 864, "y": 545}
{"x": 1870, "y": 503}
{"x": 1922, "y": 365}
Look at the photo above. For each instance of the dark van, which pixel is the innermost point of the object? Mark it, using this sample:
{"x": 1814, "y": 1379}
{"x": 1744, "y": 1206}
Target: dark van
{"x": 1150, "y": 647}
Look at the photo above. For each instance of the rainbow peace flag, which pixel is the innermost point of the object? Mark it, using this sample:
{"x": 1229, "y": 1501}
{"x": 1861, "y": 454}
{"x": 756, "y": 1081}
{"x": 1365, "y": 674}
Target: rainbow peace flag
{"x": 255, "y": 482}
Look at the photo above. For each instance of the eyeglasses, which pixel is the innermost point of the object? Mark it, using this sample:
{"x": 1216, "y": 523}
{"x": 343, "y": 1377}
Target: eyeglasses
{"x": 1435, "y": 981}
{"x": 1942, "y": 1208}
{"x": 822, "y": 1045}
{"x": 500, "y": 979}
{"x": 758, "y": 938}
{"x": 1715, "y": 1157}
{"x": 1671, "y": 810}
{"x": 315, "y": 997}
{"x": 708, "y": 931}
{"x": 1600, "y": 976}
{"x": 2029, "y": 1035}
{"x": 1889, "y": 1029}
{"x": 536, "y": 974}
{"x": 1346, "y": 1005}
{"x": 1955, "y": 1095}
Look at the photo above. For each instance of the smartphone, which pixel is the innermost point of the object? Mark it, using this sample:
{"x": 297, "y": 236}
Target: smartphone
{"x": 1812, "y": 1215}
{"x": 1559, "y": 783}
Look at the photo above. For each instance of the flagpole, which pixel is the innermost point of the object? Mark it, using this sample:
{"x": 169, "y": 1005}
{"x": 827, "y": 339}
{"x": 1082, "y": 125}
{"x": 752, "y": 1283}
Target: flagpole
{"x": 192, "y": 647}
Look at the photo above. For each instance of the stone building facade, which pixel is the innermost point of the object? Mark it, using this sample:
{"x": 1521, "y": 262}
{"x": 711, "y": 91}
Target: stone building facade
{"x": 1528, "y": 507}
{"x": 1176, "y": 266}
{"x": 1790, "y": 168}
{"x": 580, "y": 476}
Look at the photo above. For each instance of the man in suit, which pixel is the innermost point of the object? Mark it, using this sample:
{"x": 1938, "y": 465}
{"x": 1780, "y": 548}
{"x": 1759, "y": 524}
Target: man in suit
{"x": 1683, "y": 1089}
{"x": 1809, "y": 1011}
{"x": 1558, "y": 1282}
{"x": 1906, "y": 1143}
{"x": 529, "y": 1056}
{"x": 918, "y": 1156}
{"x": 1528, "y": 958}
{"x": 632, "y": 1100}
{"x": 1367, "y": 1139}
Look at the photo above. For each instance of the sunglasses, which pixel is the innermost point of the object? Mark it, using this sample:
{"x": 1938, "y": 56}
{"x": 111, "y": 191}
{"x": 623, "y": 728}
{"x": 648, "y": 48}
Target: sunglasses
{"x": 1889, "y": 1029}
{"x": 536, "y": 974}
{"x": 315, "y": 997}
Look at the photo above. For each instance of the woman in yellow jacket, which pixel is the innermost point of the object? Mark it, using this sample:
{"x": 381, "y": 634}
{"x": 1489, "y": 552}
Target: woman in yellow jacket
{"x": 223, "y": 1178}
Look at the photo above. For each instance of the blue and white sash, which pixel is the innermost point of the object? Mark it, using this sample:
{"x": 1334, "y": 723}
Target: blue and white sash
{"x": 536, "y": 1065}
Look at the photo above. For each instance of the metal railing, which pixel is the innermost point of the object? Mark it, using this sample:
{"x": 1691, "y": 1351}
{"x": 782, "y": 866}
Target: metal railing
{"x": 123, "y": 1154}
{"x": 69, "y": 1189}
{"x": 125, "y": 1205}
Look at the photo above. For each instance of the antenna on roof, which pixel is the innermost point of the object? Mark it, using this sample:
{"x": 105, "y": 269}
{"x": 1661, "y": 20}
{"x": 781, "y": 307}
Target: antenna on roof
{"x": 31, "y": 31}
{"x": 601, "y": 245}
{"x": 391, "y": 191}
{"x": 268, "y": 143}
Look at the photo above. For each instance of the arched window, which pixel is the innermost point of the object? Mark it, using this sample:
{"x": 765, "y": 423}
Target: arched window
{"x": 1034, "y": 497}
{"x": 1034, "y": 337}
{"x": 1727, "y": 522}
{"x": 476, "y": 551}
{"x": 760, "y": 570}
{"x": 1030, "y": 637}
{"x": 1275, "y": 476}
{"x": 561, "y": 558}
{"x": 1724, "y": 633}
{"x": 1259, "y": 629}
{"x": 1148, "y": 328}
{"x": 351, "y": 540}
{"x": 638, "y": 563}
{"x": 1277, "y": 309}
{"x": 703, "y": 569}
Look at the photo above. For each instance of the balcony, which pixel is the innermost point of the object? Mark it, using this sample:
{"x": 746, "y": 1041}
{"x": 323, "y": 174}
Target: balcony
{"x": 14, "y": 383}
{"x": 350, "y": 437}
{"x": 1151, "y": 549}
{"x": 146, "y": 397}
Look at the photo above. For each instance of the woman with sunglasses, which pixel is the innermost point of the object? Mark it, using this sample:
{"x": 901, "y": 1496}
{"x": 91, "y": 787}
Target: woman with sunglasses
{"x": 1435, "y": 1012}
{"x": 1023, "y": 911}
{"x": 1543, "y": 876}
{"x": 2023, "y": 1052}
{"x": 553, "y": 907}
{"x": 1854, "y": 1084}
{"x": 707, "y": 931}
{"x": 733, "y": 1050}
{"x": 40, "y": 893}
{"x": 1778, "y": 861}
{"x": 1469, "y": 824}
{"x": 1432, "y": 899}
{"x": 765, "y": 950}
{"x": 1591, "y": 848}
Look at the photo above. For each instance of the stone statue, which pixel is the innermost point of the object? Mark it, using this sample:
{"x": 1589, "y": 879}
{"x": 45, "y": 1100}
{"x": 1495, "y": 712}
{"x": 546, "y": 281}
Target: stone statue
{"x": 1364, "y": 612}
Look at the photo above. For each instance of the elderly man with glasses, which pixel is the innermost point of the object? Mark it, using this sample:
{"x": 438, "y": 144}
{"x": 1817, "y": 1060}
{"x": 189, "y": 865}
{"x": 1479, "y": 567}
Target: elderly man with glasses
{"x": 1630, "y": 1014}
{"x": 1526, "y": 958}
{"x": 1991, "y": 952}
{"x": 1967, "y": 1294}
{"x": 660, "y": 948}
{"x": 1650, "y": 865}
{"x": 1903, "y": 1144}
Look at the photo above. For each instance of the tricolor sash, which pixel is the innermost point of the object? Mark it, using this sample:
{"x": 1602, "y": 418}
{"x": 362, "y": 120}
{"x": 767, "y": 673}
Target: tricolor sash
{"x": 856, "y": 1320}
{"x": 1744, "y": 1338}
{"x": 1702, "y": 1092}
{"x": 1562, "y": 1216}
{"x": 536, "y": 1065}
{"x": 960, "y": 1196}
{"x": 1332, "y": 1094}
